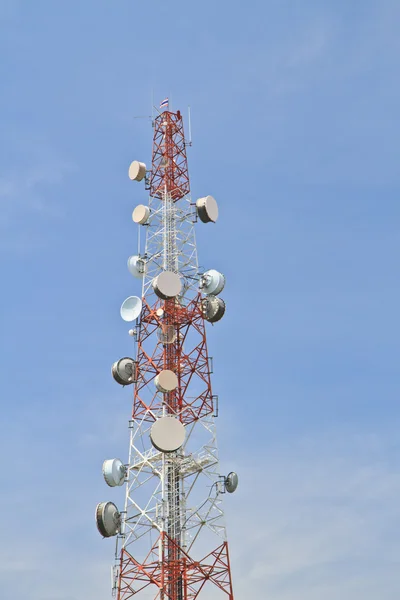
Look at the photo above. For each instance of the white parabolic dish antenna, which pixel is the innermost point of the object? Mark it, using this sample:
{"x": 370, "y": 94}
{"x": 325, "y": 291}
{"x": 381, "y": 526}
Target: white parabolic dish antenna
{"x": 167, "y": 285}
{"x": 141, "y": 214}
{"x": 207, "y": 209}
{"x": 114, "y": 472}
{"x": 166, "y": 381}
{"x": 212, "y": 282}
{"x": 124, "y": 371}
{"x": 231, "y": 482}
{"x": 213, "y": 308}
{"x": 131, "y": 308}
{"x": 167, "y": 434}
{"x": 108, "y": 519}
{"x": 137, "y": 170}
{"x": 136, "y": 266}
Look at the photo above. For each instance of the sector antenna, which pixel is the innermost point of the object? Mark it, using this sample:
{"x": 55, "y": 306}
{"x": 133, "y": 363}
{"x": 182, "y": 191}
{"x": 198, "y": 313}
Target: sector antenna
{"x": 170, "y": 535}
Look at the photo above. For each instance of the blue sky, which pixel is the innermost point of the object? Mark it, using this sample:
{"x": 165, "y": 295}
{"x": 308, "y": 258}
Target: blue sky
{"x": 295, "y": 132}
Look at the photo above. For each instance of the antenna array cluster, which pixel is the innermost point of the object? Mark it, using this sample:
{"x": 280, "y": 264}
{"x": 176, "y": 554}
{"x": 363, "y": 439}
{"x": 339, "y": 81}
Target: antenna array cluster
{"x": 173, "y": 441}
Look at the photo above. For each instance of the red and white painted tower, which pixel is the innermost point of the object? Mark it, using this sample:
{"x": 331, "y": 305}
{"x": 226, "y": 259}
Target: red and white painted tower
{"x": 171, "y": 537}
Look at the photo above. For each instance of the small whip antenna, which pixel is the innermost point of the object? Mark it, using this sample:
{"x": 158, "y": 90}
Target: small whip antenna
{"x": 190, "y": 127}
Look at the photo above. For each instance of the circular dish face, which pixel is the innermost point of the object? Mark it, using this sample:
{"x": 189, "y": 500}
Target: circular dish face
{"x": 167, "y": 285}
{"x": 159, "y": 312}
{"x": 131, "y": 308}
{"x": 213, "y": 308}
{"x": 167, "y": 434}
{"x": 207, "y": 209}
{"x": 108, "y": 519}
{"x": 231, "y": 482}
{"x": 141, "y": 214}
{"x": 166, "y": 381}
{"x": 214, "y": 282}
{"x": 166, "y": 334}
{"x": 137, "y": 170}
{"x": 114, "y": 472}
{"x": 136, "y": 266}
{"x": 124, "y": 371}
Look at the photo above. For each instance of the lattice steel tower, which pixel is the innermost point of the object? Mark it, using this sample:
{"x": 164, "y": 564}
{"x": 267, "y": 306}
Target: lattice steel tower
{"x": 170, "y": 538}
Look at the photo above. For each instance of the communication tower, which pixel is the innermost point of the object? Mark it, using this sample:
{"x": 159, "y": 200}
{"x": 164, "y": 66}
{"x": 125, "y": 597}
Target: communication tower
{"x": 170, "y": 536}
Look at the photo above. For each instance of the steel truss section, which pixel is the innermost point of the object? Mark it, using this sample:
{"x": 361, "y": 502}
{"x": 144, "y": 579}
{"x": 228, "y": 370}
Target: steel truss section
{"x": 189, "y": 575}
{"x": 169, "y": 162}
{"x": 171, "y": 243}
{"x": 147, "y": 489}
{"x": 185, "y": 326}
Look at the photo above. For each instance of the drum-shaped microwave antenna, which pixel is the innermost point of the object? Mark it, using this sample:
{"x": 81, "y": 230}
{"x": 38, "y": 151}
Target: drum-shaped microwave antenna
{"x": 114, "y": 472}
{"x": 167, "y": 434}
{"x": 124, "y": 371}
{"x": 141, "y": 214}
{"x": 137, "y": 170}
{"x": 212, "y": 282}
{"x": 231, "y": 482}
{"x": 166, "y": 334}
{"x": 108, "y": 519}
{"x": 167, "y": 285}
{"x": 131, "y": 308}
{"x": 166, "y": 381}
{"x": 136, "y": 266}
{"x": 207, "y": 209}
{"x": 213, "y": 308}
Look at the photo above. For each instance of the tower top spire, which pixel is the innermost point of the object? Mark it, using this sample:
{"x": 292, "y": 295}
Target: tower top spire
{"x": 169, "y": 171}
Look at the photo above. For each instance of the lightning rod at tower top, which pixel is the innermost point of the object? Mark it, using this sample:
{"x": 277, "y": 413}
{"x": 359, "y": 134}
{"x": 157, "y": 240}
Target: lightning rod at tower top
{"x": 171, "y": 539}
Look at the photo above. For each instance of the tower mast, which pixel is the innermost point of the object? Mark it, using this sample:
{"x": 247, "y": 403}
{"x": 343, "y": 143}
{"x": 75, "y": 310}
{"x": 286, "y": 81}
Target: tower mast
{"x": 171, "y": 538}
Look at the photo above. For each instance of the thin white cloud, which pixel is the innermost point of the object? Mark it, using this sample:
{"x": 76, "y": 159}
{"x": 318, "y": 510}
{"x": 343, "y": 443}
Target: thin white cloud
{"x": 30, "y": 190}
{"x": 311, "y": 47}
{"x": 318, "y": 521}
{"x": 23, "y": 192}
